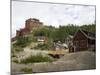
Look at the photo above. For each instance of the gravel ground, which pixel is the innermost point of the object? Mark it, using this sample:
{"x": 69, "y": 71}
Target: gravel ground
{"x": 71, "y": 61}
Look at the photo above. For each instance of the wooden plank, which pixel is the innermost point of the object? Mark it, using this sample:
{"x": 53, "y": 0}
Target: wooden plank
{"x": 59, "y": 52}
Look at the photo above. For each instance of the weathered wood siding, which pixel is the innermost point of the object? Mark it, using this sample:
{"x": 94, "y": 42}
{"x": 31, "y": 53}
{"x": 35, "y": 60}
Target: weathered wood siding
{"x": 80, "y": 41}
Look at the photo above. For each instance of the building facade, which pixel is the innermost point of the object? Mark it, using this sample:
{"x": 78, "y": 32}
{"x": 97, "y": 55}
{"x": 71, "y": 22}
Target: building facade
{"x": 82, "y": 40}
{"x": 30, "y": 24}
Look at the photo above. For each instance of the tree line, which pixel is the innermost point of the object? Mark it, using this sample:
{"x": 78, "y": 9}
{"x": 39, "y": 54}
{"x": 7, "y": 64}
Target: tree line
{"x": 54, "y": 34}
{"x": 63, "y": 31}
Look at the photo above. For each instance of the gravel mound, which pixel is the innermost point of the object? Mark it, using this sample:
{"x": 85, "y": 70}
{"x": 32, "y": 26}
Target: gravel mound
{"x": 81, "y": 60}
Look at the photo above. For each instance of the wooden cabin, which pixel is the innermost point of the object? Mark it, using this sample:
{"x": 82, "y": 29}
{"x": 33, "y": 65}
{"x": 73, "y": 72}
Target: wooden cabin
{"x": 82, "y": 40}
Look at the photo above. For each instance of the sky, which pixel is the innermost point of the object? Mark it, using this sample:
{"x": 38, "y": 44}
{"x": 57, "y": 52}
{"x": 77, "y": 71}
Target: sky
{"x": 51, "y": 14}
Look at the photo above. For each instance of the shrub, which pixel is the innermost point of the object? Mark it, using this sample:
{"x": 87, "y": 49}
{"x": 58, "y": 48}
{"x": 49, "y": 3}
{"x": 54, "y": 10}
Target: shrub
{"x": 18, "y": 49}
{"x": 26, "y": 70}
{"x": 13, "y": 55}
{"x": 23, "y": 41}
{"x": 16, "y": 61}
{"x": 37, "y": 58}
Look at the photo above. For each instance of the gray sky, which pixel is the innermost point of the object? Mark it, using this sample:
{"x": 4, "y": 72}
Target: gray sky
{"x": 50, "y": 14}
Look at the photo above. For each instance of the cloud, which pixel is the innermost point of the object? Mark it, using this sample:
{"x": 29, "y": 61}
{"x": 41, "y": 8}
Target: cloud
{"x": 51, "y": 14}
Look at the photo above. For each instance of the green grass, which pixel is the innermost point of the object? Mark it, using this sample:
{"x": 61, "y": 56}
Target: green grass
{"x": 36, "y": 59}
{"x": 26, "y": 70}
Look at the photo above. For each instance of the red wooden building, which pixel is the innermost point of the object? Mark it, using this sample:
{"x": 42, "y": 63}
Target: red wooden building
{"x": 30, "y": 24}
